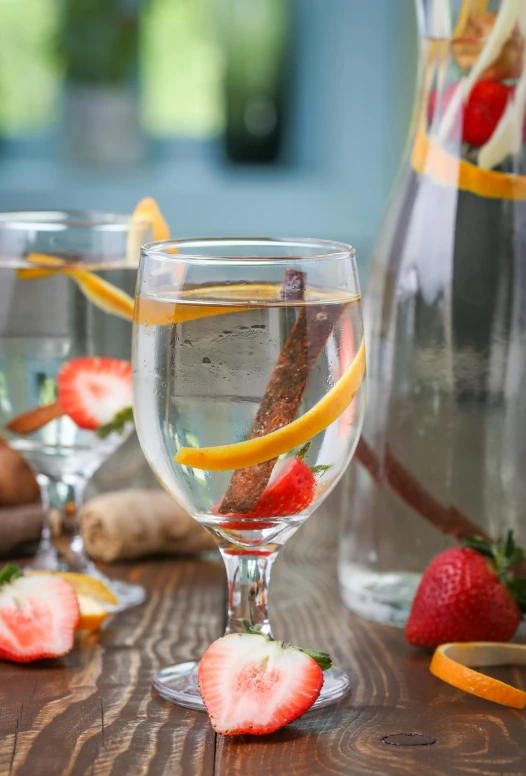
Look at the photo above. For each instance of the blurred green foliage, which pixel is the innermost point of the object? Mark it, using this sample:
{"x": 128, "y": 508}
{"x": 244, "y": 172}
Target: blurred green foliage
{"x": 30, "y": 69}
{"x": 182, "y": 69}
{"x": 180, "y": 61}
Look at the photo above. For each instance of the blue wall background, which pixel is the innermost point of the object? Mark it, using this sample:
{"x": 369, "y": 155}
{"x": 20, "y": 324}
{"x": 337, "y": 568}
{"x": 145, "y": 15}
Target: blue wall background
{"x": 356, "y": 69}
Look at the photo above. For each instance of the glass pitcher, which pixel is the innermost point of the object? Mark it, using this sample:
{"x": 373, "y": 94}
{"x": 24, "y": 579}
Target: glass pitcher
{"x": 443, "y": 452}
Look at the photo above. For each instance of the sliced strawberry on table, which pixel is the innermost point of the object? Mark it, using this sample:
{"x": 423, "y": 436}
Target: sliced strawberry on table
{"x": 469, "y": 594}
{"x": 93, "y": 391}
{"x": 290, "y": 490}
{"x": 38, "y": 616}
{"x": 251, "y": 683}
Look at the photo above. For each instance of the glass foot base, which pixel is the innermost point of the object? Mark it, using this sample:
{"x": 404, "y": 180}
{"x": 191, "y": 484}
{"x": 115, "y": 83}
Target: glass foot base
{"x": 178, "y": 684}
{"x": 126, "y": 593}
{"x": 381, "y": 597}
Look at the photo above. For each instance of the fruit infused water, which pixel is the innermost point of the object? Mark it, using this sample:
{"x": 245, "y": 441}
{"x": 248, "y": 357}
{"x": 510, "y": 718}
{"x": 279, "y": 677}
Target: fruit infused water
{"x": 248, "y": 386}
{"x": 47, "y": 322}
{"x": 212, "y": 370}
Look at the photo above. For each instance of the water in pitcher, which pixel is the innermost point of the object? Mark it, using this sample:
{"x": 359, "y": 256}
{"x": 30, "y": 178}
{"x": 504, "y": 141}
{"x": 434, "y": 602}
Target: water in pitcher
{"x": 446, "y": 387}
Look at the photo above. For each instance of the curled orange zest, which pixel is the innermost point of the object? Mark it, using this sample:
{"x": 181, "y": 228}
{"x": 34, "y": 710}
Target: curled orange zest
{"x": 264, "y": 448}
{"x": 102, "y": 294}
{"x": 429, "y": 159}
{"x": 148, "y": 210}
{"x": 455, "y": 663}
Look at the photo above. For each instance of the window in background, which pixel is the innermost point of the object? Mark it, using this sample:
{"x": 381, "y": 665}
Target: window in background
{"x": 217, "y": 66}
{"x": 256, "y": 43}
{"x": 99, "y": 42}
{"x": 203, "y": 69}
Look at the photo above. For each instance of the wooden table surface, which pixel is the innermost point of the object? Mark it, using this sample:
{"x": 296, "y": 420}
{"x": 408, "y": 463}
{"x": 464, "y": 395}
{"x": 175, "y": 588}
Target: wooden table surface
{"x": 93, "y": 712}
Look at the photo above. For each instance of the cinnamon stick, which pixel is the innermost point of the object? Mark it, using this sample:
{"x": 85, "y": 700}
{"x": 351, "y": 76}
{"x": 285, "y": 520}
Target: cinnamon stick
{"x": 32, "y": 420}
{"x": 449, "y": 520}
{"x": 284, "y": 392}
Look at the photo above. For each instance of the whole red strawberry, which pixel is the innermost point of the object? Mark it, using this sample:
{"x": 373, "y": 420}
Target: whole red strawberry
{"x": 468, "y": 594}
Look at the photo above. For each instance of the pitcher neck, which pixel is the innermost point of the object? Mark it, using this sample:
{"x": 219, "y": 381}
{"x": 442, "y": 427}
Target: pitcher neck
{"x": 468, "y": 127}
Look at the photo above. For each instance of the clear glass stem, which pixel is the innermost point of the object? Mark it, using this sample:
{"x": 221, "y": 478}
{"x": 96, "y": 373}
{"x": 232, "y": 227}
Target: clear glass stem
{"x": 248, "y": 583}
{"x": 61, "y": 546}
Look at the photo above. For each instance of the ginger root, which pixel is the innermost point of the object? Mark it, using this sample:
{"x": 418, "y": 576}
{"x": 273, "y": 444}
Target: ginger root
{"x": 131, "y": 523}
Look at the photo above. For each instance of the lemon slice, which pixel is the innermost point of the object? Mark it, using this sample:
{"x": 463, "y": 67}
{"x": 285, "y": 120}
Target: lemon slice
{"x": 94, "y": 597}
{"x": 84, "y": 584}
{"x": 91, "y": 586}
{"x": 454, "y": 664}
{"x": 264, "y": 448}
{"x": 92, "y": 613}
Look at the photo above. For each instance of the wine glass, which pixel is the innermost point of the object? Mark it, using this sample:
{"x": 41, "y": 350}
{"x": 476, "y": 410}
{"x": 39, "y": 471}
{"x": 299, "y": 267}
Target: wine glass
{"x": 248, "y": 381}
{"x": 66, "y": 304}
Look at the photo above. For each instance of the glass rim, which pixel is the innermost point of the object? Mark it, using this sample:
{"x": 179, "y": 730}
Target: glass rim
{"x": 69, "y": 218}
{"x": 174, "y": 250}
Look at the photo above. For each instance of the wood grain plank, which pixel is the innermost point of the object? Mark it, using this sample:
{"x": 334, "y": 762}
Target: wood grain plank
{"x": 392, "y": 690}
{"x": 93, "y": 712}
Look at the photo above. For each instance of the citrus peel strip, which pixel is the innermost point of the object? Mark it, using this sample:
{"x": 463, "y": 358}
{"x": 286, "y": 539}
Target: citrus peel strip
{"x": 253, "y": 451}
{"x": 429, "y": 159}
{"x": 102, "y": 294}
{"x": 455, "y": 663}
{"x": 151, "y": 312}
{"x": 148, "y": 210}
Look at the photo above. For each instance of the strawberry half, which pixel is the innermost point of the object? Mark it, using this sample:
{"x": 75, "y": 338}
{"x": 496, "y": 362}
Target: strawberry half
{"x": 93, "y": 391}
{"x": 481, "y": 113}
{"x": 290, "y": 490}
{"x": 38, "y": 616}
{"x": 484, "y": 109}
{"x": 468, "y": 594}
{"x": 251, "y": 683}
